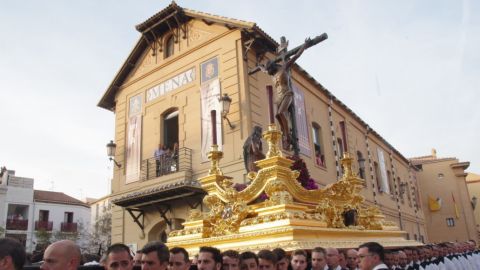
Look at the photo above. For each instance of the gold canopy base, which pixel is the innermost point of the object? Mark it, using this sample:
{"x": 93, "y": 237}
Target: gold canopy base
{"x": 290, "y": 234}
{"x": 290, "y": 218}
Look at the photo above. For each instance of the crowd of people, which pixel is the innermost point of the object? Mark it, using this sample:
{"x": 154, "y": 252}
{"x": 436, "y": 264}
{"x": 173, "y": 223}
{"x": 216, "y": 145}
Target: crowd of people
{"x": 66, "y": 255}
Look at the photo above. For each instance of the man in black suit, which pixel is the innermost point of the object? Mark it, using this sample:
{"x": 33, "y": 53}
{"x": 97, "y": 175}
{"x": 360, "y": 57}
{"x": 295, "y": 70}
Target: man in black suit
{"x": 371, "y": 256}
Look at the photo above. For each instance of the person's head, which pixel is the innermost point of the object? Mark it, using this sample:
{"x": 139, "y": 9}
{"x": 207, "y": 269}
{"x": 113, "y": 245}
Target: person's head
{"x": 402, "y": 259}
{"x": 248, "y": 261}
{"x": 12, "y": 254}
{"x": 137, "y": 260}
{"x": 155, "y": 256}
{"x": 388, "y": 259}
{"x": 395, "y": 258}
{"x": 415, "y": 257}
{"x": 64, "y": 255}
{"x": 118, "y": 257}
{"x": 230, "y": 260}
{"x": 332, "y": 257}
{"x": 282, "y": 259}
{"x": 352, "y": 259}
{"x": 209, "y": 258}
{"x": 318, "y": 258}
{"x": 408, "y": 253}
{"x": 370, "y": 254}
{"x": 342, "y": 259}
{"x": 178, "y": 259}
{"x": 267, "y": 260}
{"x": 299, "y": 259}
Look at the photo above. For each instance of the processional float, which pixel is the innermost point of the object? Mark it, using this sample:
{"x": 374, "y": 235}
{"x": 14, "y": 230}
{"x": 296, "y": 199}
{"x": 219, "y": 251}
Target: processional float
{"x": 292, "y": 217}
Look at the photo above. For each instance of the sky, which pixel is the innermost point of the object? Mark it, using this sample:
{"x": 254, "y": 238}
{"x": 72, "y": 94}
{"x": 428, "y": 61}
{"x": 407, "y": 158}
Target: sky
{"x": 410, "y": 69}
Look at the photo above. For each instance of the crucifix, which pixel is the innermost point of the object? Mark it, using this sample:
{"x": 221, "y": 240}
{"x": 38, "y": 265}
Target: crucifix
{"x": 279, "y": 69}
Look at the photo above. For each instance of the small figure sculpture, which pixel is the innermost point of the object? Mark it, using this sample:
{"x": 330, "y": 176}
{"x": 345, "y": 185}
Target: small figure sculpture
{"x": 252, "y": 149}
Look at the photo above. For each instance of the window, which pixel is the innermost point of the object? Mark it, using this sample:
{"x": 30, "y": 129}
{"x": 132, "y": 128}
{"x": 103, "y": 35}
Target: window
{"x": 391, "y": 184}
{"x": 361, "y": 165}
{"x": 377, "y": 176}
{"x": 340, "y": 147}
{"x": 68, "y": 217}
{"x": 169, "y": 46}
{"x": 450, "y": 222}
{"x": 43, "y": 215}
{"x": 318, "y": 145}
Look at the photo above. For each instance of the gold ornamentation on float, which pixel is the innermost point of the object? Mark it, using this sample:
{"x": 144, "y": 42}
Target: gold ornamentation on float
{"x": 289, "y": 210}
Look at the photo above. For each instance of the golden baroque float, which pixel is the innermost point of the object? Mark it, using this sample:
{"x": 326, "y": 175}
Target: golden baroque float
{"x": 291, "y": 218}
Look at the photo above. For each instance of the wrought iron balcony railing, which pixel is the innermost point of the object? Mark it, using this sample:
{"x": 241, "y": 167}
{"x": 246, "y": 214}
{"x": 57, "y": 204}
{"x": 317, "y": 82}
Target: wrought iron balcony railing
{"x": 17, "y": 224}
{"x": 43, "y": 225}
{"x": 68, "y": 227}
{"x": 166, "y": 164}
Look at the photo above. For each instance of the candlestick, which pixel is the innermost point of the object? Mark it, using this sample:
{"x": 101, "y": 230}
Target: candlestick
{"x": 270, "y": 103}
{"x": 213, "y": 115}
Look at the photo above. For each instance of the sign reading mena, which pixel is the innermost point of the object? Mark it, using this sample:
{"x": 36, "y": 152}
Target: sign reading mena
{"x": 171, "y": 84}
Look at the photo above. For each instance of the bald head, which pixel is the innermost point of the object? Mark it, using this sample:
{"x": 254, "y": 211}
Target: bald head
{"x": 64, "y": 254}
{"x": 352, "y": 259}
{"x": 332, "y": 257}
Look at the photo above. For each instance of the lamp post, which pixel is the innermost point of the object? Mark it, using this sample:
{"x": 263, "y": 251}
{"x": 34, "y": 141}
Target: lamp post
{"x": 111, "y": 147}
{"x": 225, "y": 102}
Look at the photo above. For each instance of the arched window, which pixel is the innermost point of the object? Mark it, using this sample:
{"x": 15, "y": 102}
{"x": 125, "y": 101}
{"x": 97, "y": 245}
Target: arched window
{"x": 318, "y": 145}
{"x": 169, "y": 46}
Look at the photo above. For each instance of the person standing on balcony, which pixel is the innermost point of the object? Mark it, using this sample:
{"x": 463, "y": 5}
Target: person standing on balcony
{"x": 158, "y": 154}
{"x": 12, "y": 254}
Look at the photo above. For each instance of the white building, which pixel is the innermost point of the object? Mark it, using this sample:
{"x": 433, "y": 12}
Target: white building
{"x": 23, "y": 210}
{"x": 99, "y": 207}
{"x": 16, "y": 207}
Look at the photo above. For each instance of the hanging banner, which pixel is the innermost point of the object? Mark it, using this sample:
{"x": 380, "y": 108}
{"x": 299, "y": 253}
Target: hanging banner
{"x": 384, "y": 186}
{"x": 133, "y": 148}
{"x": 301, "y": 121}
{"x": 210, "y": 92}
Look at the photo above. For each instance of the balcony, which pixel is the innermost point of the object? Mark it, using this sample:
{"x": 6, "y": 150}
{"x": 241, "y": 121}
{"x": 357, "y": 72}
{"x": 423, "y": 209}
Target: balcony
{"x": 166, "y": 164}
{"x": 17, "y": 224}
{"x": 43, "y": 225}
{"x": 69, "y": 227}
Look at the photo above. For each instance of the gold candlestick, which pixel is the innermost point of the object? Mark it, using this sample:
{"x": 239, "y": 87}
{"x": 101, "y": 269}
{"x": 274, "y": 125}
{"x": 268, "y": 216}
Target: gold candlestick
{"x": 272, "y": 136}
{"x": 214, "y": 156}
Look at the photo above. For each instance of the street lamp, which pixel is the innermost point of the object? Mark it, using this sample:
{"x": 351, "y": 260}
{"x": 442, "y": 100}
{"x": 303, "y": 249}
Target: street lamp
{"x": 111, "y": 147}
{"x": 225, "y": 102}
